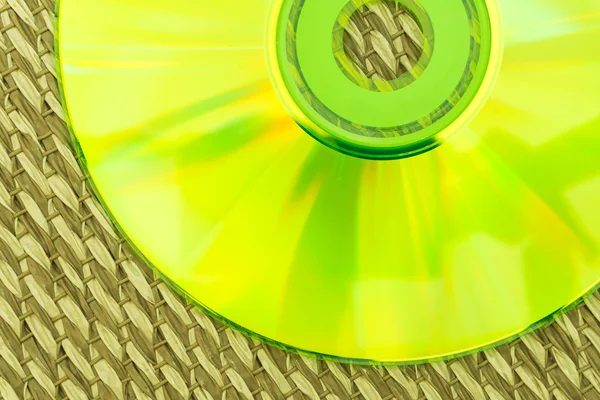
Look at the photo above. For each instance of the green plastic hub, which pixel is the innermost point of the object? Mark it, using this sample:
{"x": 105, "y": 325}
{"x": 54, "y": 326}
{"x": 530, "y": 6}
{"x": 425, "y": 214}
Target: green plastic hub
{"x": 379, "y": 124}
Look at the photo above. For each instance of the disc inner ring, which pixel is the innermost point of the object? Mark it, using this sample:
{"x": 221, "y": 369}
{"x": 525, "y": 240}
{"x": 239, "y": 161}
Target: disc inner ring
{"x": 384, "y": 124}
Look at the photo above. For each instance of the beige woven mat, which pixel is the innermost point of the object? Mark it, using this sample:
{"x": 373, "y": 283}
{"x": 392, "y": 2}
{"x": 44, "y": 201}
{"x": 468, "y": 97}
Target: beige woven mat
{"x": 81, "y": 317}
{"x": 383, "y": 40}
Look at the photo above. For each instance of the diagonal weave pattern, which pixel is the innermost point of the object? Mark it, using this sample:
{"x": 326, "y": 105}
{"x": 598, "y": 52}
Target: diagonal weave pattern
{"x": 82, "y": 317}
{"x": 383, "y": 40}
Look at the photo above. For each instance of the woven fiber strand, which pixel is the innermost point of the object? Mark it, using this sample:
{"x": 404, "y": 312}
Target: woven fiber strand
{"x": 383, "y": 40}
{"x": 82, "y": 317}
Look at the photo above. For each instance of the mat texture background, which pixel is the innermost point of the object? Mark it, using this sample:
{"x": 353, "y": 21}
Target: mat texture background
{"x": 383, "y": 40}
{"x": 82, "y": 317}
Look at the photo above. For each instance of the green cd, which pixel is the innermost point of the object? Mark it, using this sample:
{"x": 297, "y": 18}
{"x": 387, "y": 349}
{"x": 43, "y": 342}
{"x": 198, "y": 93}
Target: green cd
{"x": 372, "y": 181}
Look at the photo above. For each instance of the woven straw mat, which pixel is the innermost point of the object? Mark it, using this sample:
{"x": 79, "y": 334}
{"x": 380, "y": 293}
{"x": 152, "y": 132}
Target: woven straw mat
{"x": 82, "y": 317}
{"x": 383, "y": 40}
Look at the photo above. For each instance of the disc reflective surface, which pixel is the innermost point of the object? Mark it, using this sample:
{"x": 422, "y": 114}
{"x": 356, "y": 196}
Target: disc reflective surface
{"x": 205, "y": 156}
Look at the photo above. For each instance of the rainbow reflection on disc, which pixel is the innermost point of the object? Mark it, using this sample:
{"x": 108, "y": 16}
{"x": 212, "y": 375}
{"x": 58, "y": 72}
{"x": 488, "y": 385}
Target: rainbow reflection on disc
{"x": 368, "y": 180}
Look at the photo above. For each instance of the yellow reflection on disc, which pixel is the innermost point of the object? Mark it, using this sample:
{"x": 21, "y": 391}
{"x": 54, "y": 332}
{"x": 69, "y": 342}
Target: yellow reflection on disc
{"x": 214, "y": 183}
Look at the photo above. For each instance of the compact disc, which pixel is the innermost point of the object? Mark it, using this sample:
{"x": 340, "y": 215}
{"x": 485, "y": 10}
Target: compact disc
{"x": 377, "y": 181}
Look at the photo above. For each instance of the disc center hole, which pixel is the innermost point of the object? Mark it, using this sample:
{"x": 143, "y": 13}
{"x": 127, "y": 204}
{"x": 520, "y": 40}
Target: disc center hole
{"x": 383, "y": 46}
